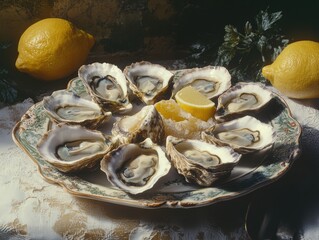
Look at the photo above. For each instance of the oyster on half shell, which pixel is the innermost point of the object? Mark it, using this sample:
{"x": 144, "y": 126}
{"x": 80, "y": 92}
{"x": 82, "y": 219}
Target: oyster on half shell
{"x": 211, "y": 81}
{"x": 107, "y": 85}
{"x": 71, "y": 148}
{"x": 136, "y": 168}
{"x": 241, "y": 99}
{"x": 147, "y": 123}
{"x": 201, "y": 162}
{"x": 66, "y": 107}
{"x": 244, "y": 135}
{"x": 148, "y": 81}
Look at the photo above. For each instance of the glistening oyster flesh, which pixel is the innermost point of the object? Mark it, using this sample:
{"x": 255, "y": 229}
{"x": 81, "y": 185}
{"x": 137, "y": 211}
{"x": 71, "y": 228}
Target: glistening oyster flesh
{"x": 136, "y": 168}
{"x": 241, "y": 99}
{"x": 147, "y": 123}
{"x": 73, "y": 147}
{"x": 201, "y": 162}
{"x": 66, "y": 107}
{"x": 148, "y": 81}
{"x": 244, "y": 135}
{"x": 107, "y": 85}
{"x": 211, "y": 81}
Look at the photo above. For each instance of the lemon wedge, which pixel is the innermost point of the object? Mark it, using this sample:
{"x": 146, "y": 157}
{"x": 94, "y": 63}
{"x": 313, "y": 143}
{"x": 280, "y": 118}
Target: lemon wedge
{"x": 195, "y": 103}
{"x": 179, "y": 123}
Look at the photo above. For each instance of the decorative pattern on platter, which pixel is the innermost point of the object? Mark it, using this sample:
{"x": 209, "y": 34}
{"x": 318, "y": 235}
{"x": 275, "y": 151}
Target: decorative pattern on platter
{"x": 252, "y": 172}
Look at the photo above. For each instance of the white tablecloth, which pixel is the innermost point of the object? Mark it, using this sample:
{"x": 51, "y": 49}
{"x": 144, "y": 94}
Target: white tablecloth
{"x": 32, "y": 208}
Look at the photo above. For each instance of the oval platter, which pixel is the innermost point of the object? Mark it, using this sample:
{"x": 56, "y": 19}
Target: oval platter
{"x": 251, "y": 173}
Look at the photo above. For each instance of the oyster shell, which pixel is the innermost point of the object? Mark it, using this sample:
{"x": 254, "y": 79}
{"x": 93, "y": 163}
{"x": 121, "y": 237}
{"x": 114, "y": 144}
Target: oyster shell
{"x": 107, "y": 85}
{"x": 148, "y": 81}
{"x": 136, "y": 168}
{"x": 66, "y": 107}
{"x": 147, "y": 123}
{"x": 244, "y": 135}
{"x": 71, "y": 148}
{"x": 201, "y": 162}
{"x": 211, "y": 81}
{"x": 241, "y": 99}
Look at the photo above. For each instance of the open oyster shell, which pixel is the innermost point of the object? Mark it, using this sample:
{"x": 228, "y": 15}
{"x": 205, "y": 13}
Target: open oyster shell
{"x": 211, "y": 81}
{"x": 244, "y": 135}
{"x": 147, "y": 123}
{"x": 241, "y": 99}
{"x": 71, "y": 148}
{"x": 148, "y": 81}
{"x": 66, "y": 107}
{"x": 136, "y": 168}
{"x": 201, "y": 162}
{"x": 107, "y": 85}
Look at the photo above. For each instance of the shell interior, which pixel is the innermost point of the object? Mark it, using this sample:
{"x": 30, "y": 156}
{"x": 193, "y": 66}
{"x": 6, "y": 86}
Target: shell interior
{"x": 147, "y": 123}
{"x": 106, "y": 83}
{"x": 107, "y": 87}
{"x": 148, "y": 81}
{"x": 135, "y": 168}
{"x": 64, "y": 106}
{"x": 244, "y": 134}
{"x": 200, "y": 161}
{"x": 242, "y": 98}
{"x": 211, "y": 81}
{"x": 73, "y": 147}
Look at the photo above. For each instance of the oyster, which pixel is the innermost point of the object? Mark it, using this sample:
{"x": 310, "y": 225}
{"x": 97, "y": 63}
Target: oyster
{"x": 147, "y": 123}
{"x": 107, "y": 85}
{"x": 241, "y": 99}
{"x": 148, "y": 81}
{"x": 73, "y": 147}
{"x": 244, "y": 135}
{"x": 66, "y": 107}
{"x": 136, "y": 168}
{"x": 201, "y": 162}
{"x": 211, "y": 81}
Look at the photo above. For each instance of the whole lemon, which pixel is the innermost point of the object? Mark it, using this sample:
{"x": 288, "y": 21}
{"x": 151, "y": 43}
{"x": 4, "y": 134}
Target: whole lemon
{"x": 295, "y": 72}
{"x": 52, "y": 48}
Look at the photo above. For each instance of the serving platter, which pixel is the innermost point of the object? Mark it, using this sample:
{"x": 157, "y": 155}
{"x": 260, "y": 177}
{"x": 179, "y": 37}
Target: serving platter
{"x": 252, "y": 172}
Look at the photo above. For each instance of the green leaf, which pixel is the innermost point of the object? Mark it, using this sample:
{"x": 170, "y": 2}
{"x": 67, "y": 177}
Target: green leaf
{"x": 248, "y": 28}
{"x": 244, "y": 54}
{"x": 8, "y": 94}
{"x": 4, "y": 45}
{"x": 266, "y": 21}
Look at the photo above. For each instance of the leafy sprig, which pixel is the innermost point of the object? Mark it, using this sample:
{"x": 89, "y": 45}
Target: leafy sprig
{"x": 244, "y": 54}
{"x": 8, "y": 93}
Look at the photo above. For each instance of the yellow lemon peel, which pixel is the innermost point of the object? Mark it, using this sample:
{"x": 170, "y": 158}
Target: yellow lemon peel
{"x": 52, "y": 48}
{"x": 295, "y": 72}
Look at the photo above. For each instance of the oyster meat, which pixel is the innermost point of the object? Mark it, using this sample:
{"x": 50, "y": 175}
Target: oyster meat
{"x": 147, "y": 123}
{"x": 201, "y": 162}
{"x": 66, "y": 107}
{"x": 244, "y": 135}
{"x": 71, "y": 148}
{"x": 107, "y": 85}
{"x": 136, "y": 167}
{"x": 148, "y": 81}
{"x": 211, "y": 81}
{"x": 241, "y": 99}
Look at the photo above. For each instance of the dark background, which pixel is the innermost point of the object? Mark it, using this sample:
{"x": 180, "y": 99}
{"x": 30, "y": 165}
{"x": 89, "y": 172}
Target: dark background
{"x": 156, "y": 30}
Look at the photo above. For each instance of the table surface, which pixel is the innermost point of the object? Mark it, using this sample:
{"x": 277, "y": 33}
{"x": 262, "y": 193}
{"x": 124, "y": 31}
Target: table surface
{"x": 32, "y": 208}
